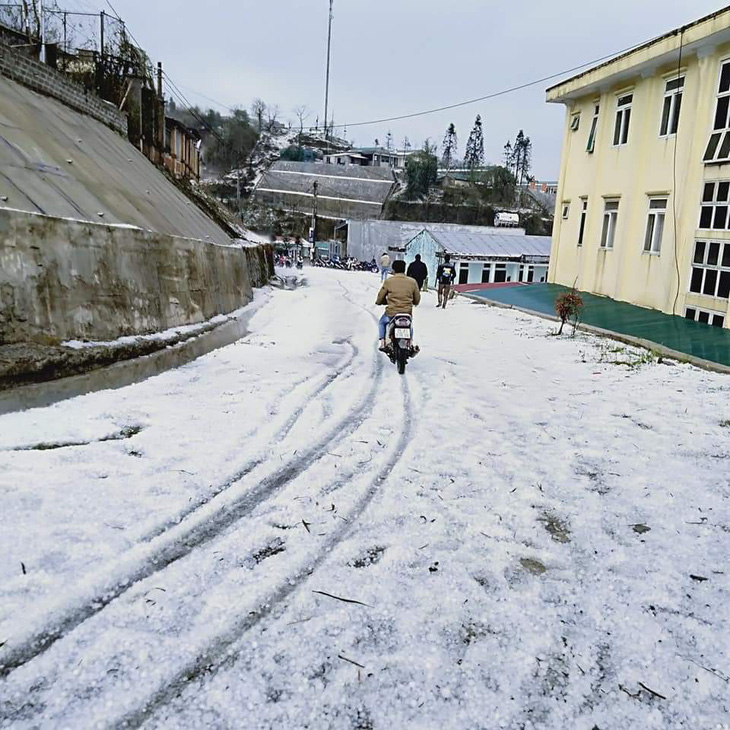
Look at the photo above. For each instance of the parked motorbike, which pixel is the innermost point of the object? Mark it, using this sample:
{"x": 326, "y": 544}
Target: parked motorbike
{"x": 400, "y": 339}
{"x": 300, "y": 264}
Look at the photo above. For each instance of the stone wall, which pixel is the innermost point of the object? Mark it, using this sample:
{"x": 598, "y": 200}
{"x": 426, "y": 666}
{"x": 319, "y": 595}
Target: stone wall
{"x": 45, "y": 80}
{"x": 63, "y": 279}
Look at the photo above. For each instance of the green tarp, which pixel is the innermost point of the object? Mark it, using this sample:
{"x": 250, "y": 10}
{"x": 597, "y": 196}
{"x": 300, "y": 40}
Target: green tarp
{"x": 692, "y": 338}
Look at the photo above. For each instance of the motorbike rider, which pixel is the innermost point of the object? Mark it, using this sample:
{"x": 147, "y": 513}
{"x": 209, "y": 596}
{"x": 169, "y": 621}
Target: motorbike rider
{"x": 400, "y": 294}
{"x": 445, "y": 275}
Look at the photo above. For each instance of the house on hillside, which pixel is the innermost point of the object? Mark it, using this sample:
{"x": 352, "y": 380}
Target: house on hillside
{"x": 644, "y": 191}
{"x": 182, "y": 150}
{"x": 482, "y": 257}
{"x": 346, "y": 158}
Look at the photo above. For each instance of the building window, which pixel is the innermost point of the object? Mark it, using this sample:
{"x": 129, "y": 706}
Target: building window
{"x": 623, "y": 118}
{"x": 574, "y": 122}
{"x": 701, "y": 315}
{"x": 672, "y": 105}
{"x": 655, "y": 225}
{"x": 714, "y": 210}
{"x": 711, "y": 269}
{"x": 486, "y": 271}
{"x": 463, "y": 273}
{"x": 592, "y": 134}
{"x": 500, "y": 273}
{"x": 610, "y": 219}
{"x": 583, "y": 216}
{"x": 566, "y": 209}
{"x": 718, "y": 148}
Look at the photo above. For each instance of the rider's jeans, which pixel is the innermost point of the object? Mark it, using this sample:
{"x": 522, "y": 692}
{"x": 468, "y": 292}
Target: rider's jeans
{"x": 383, "y": 323}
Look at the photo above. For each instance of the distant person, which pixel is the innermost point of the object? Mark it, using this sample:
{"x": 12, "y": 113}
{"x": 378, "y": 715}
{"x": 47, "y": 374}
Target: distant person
{"x": 418, "y": 271}
{"x": 384, "y": 266}
{"x": 445, "y": 275}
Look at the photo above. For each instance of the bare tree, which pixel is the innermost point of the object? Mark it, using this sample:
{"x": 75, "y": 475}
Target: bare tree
{"x": 258, "y": 109}
{"x": 272, "y": 117}
{"x": 302, "y": 114}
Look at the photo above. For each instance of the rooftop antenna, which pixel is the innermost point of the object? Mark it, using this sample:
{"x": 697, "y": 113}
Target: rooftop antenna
{"x": 327, "y": 81}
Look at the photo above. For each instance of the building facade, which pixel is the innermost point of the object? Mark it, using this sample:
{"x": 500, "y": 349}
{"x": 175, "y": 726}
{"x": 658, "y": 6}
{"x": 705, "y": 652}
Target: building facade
{"x": 644, "y": 194}
{"x": 485, "y": 257}
{"x": 182, "y": 150}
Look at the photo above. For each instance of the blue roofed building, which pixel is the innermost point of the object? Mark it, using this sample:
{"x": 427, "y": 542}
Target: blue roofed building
{"x": 489, "y": 256}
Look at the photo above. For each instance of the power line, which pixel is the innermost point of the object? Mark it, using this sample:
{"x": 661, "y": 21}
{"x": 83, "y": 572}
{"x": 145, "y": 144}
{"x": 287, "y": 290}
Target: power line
{"x": 447, "y": 107}
{"x": 492, "y": 95}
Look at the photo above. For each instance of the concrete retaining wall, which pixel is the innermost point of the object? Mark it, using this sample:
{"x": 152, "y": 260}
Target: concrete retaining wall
{"x": 46, "y": 80}
{"x": 64, "y": 279}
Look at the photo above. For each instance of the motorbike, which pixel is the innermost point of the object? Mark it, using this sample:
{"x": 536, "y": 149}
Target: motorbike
{"x": 300, "y": 264}
{"x": 400, "y": 340}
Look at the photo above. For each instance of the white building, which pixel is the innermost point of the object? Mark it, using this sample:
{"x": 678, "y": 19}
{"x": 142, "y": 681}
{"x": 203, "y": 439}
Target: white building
{"x": 483, "y": 257}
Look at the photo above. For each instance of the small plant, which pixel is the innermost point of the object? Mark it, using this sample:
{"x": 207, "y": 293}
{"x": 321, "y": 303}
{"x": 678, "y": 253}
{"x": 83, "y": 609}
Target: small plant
{"x": 568, "y": 307}
{"x": 725, "y": 424}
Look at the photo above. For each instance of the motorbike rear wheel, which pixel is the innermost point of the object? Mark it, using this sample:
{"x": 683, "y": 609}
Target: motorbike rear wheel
{"x": 400, "y": 360}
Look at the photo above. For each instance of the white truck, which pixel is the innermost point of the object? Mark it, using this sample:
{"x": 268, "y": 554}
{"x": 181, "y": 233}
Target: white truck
{"x": 510, "y": 220}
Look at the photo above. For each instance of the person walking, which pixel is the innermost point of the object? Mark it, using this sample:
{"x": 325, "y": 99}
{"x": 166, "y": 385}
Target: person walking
{"x": 445, "y": 276}
{"x": 384, "y": 266}
{"x": 418, "y": 271}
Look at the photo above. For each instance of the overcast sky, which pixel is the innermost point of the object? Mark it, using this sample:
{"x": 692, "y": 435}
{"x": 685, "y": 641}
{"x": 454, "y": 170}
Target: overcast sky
{"x": 392, "y": 57}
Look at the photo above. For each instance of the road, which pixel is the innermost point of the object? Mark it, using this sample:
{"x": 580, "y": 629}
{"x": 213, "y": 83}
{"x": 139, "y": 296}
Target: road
{"x": 524, "y": 531}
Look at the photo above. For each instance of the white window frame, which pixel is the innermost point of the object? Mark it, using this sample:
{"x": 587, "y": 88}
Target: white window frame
{"x": 575, "y": 122}
{"x": 719, "y": 135}
{"x": 623, "y": 118}
{"x": 719, "y": 271}
{"x": 712, "y": 315}
{"x": 591, "y": 144}
{"x": 583, "y": 220}
{"x": 674, "y": 97}
{"x": 717, "y": 206}
{"x": 655, "y": 224}
{"x": 565, "y": 209}
{"x": 610, "y": 222}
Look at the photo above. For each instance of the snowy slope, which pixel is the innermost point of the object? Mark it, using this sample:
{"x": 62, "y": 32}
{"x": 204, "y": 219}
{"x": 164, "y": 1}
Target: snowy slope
{"x": 526, "y": 534}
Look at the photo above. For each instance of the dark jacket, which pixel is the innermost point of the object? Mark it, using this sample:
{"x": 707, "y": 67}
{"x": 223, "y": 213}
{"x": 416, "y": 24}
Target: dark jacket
{"x": 446, "y": 273}
{"x": 418, "y": 271}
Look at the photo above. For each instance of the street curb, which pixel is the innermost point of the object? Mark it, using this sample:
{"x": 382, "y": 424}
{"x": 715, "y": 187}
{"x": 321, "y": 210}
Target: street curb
{"x": 126, "y": 372}
{"x": 610, "y": 334}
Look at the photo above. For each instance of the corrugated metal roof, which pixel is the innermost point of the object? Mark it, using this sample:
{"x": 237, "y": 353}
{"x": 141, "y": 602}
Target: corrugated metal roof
{"x": 368, "y": 174}
{"x": 470, "y": 243}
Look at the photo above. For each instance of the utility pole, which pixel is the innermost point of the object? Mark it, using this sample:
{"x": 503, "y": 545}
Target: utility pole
{"x": 327, "y": 80}
{"x": 314, "y": 220}
{"x": 42, "y": 24}
{"x": 101, "y": 22}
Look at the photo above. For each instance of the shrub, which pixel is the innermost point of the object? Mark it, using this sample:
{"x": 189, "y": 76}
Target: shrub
{"x": 568, "y": 307}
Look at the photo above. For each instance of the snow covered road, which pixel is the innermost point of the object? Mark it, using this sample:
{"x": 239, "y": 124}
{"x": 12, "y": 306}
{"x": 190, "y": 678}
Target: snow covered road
{"x": 522, "y": 532}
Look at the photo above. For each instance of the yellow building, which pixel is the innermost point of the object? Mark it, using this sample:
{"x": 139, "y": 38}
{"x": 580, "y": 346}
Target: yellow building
{"x": 646, "y": 152}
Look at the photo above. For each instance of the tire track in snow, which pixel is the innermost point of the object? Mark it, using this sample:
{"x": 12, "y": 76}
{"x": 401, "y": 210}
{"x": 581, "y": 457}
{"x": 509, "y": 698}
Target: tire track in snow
{"x": 262, "y": 457}
{"x": 217, "y": 655}
{"x": 146, "y": 559}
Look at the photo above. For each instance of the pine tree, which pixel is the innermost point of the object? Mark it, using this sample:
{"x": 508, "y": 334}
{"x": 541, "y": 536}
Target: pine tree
{"x": 449, "y": 147}
{"x": 474, "y": 156}
{"x": 522, "y": 157}
{"x": 509, "y": 157}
